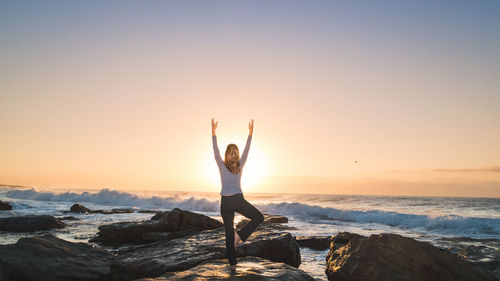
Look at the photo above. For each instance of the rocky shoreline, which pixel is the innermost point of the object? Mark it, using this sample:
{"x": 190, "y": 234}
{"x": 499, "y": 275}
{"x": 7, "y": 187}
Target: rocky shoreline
{"x": 184, "y": 245}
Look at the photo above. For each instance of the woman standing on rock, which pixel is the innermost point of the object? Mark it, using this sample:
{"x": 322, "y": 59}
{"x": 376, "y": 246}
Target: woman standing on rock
{"x": 232, "y": 199}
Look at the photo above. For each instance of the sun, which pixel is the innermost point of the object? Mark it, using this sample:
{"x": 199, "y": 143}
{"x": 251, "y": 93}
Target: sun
{"x": 254, "y": 169}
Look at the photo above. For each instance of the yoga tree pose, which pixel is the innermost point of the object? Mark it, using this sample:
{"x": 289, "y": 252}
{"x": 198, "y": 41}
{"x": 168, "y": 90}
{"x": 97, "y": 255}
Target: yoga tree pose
{"x": 232, "y": 199}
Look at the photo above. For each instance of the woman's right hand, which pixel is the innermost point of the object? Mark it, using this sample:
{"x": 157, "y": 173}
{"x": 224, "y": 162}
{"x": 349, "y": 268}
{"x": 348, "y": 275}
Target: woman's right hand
{"x": 250, "y": 127}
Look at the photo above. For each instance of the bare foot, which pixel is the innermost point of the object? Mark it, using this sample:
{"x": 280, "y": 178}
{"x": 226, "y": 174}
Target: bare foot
{"x": 237, "y": 239}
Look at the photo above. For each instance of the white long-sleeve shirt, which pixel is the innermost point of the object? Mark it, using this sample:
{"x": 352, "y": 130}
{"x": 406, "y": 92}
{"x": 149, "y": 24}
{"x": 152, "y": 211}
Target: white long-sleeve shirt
{"x": 231, "y": 183}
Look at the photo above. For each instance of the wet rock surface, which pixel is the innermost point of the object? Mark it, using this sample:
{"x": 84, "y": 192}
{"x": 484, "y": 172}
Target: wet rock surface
{"x": 178, "y": 220}
{"x": 389, "y": 256}
{"x": 127, "y": 232}
{"x": 483, "y": 253}
{"x": 166, "y": 236}
{"x": 248, "y": 268}
{"x": 47, "y": 258}
{"x": 318, "y": 243}
{"x": 163, "y": 226}
{"x": 268, "y": 220}
{"x": 155, "y": 259}
{"x": 77, "y": 208}
{"x": 30, "y": 223}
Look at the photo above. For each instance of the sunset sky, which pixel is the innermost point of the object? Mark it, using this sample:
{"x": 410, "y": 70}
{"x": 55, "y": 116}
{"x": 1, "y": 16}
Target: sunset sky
{"x": 120, "y": 94}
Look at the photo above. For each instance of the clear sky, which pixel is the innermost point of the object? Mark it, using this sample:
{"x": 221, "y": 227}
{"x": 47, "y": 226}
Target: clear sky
{"x": 358, "y": 97}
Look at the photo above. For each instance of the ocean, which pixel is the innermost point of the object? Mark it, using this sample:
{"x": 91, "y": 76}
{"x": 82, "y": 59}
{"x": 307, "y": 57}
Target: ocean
{"x": 442, "y": 221}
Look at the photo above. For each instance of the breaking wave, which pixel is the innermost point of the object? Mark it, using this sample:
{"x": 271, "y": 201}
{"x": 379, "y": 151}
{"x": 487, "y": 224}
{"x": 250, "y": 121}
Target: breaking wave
{"x": 445, "y": 224}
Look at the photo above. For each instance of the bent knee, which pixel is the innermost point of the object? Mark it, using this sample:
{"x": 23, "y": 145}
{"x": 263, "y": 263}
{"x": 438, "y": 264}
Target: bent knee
{"x": 259, "y": 218}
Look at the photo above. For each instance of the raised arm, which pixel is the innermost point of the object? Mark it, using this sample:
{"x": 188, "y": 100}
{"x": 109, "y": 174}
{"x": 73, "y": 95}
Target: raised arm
{"x": 244, "y": 155}
{"x": 218, "y": 159}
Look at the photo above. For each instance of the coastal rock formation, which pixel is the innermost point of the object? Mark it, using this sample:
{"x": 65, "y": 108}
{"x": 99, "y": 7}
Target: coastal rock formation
{"x": 148, "y": 211}
{"x": 47, "y": 258}
{"x": 268, "y": 220}
{"x": 77, "y": 208}
{"x": 319, "y": 243}
{"x": 178, "y": 222}
{"x": 274, "y": 246}
{"x": 155, "y": 259}
{"x": 30, "y": 223}
{"x": 127, "y": 232}
{"x": 113, "y": 211}
{"x": 394, "y": 257}
{"x": 481, "y": 252}
{"x": 249, "y": 268}
{"x": 160, "y": 216}
{"x": 5, "y": 206}
{"x": 165, "y": 236}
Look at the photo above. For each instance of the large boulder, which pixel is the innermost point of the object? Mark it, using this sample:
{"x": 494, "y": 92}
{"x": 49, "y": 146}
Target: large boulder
{"x": 5, "y": 206}
{"x": 77, "y": 208}
{"x": 127, "y": 232}
{"x": 160, "y": 216}
{"x": 274, "y": 246}
{"x": 47, "y": 258}
{"x": 389, "y": 256}
{"x": 155, "y": 259}
{"x": 113, "y": 211}
{"x": 318, "y": 243}
{"x": 249, "y": 268}
{"x": 178, "y": 220}
{"x": 268, "y": 220}
{"x": 166, "y": 236}
{"x": 30, "y": 223}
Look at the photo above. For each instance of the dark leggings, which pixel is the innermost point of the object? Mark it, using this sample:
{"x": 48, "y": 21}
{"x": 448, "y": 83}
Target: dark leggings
{"x": 237, "y": 203}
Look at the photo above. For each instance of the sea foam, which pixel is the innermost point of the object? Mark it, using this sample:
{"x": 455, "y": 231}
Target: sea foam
{"x": 448, "y": 224}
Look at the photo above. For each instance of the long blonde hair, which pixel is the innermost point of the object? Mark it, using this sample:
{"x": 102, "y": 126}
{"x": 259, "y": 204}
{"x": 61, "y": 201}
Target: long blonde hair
{"x": 232, "y": 158}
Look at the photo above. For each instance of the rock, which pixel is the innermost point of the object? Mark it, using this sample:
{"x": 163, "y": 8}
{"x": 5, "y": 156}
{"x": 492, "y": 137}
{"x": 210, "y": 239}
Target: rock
{"x": 268, "y": 220}
{"x": 30, "y": 223}
{"x": 389, "y": 256}
{"x": 345, "y": 237}
{"x": 483, "y": 253}
{"x": 249, "y": 268}
{"x": 77, "y": 208}
{"x": 166, "y": 236}
{"x": 160, "y": 216}
{"x": 319, "y": 243}
{"x": 489, "y": 267}
{"x": 148, "y": 211}
{"x": 69, "y": 218}
{"x": 47, "y": 258}
{"x": 5, "y": 206}
{"x": 155, "y": 259}
{"x": 274, "y": 246}
{"x": 127, "y": 232}
{"x": 178, "y": 219}
{"x": 113, "y": 211}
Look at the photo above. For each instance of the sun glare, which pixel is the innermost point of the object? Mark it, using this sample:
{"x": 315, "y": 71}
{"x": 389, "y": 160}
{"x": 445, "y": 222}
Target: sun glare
{"x": 253, "y": 171}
